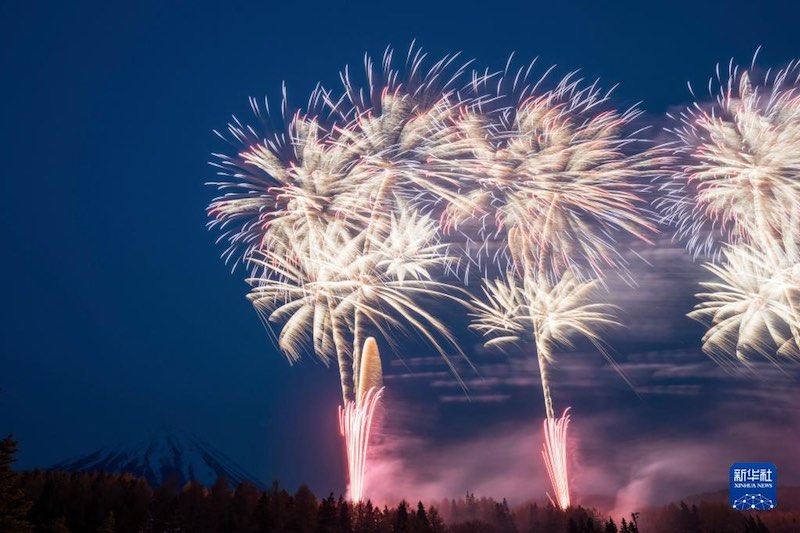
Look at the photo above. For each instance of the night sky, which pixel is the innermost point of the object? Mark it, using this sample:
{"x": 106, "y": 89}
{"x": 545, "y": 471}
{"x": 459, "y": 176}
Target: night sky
{"x": 119, "y": 317}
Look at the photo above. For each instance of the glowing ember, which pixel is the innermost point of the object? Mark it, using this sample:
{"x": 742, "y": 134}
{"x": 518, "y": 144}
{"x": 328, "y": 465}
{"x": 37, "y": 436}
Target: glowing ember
{"x": 355, "y": 423}
{"x": 554, "y": 453}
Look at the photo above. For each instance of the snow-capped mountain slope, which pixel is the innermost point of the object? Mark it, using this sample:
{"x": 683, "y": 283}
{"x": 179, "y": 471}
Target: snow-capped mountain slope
{"x": 168, "y": 453}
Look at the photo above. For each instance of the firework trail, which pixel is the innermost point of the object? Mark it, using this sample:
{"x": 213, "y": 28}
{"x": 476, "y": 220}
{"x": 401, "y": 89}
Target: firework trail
{"x": 553, "y": 177}
{"x": 355, "y": 418}
{"x": 554, "y": 453}
{"x": 733, "y": 194}
{"x": 355, "y": 423}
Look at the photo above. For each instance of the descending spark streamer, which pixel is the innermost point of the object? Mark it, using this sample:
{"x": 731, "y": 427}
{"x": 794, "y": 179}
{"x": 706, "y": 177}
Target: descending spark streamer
{"x": 554, "y": 453}
{"x": 355, "y": 423}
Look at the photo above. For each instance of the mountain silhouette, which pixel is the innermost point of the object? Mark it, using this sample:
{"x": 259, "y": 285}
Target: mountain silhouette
{"x": 167, "y": 454}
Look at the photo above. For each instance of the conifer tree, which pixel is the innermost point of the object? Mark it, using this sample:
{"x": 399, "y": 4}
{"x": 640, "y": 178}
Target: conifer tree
{"x": 401, "y": 520}
{"x": 437, "y": 524}
{"x": 422, "y": 518}
{"x": 13, "y": 505}
{"x": 109, "y": 524}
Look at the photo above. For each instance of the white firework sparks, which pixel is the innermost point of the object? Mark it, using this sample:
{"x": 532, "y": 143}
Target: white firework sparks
{"x": 754, "y": 308}
{"x": 737, "y": 160}
{"x": 553, "y": 176}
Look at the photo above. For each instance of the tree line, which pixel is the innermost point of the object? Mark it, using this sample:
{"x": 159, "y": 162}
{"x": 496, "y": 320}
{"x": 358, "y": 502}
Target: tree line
{"x": 49, "y": 501}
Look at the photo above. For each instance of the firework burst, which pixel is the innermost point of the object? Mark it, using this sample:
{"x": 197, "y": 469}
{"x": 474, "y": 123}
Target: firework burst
{"x": 554, "y": 176}
{"x": 395, "y": 128}
{"x": 338, "y": 216}
{"x": 733, "y": 195}
{"x": 350, "y": 282}
{"x": 554, "y": 314}
{"x": 279, "y": 187}
{"x": 327, "y": 214}
{"x": 754, "y": 307}
{"x": 736, "y": 162}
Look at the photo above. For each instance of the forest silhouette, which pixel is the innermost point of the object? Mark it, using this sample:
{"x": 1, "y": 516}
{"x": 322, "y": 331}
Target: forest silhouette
{"x": 51, "y": 501}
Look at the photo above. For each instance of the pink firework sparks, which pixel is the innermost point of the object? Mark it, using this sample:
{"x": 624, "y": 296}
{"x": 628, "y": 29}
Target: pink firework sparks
{"x": 355, "y": 423}
{"x": 554, "y": 453}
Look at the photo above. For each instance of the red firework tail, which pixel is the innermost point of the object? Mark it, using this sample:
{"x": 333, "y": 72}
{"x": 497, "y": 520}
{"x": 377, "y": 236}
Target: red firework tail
{"x": 554, "y": 453}
{"x": 355, "y": 423}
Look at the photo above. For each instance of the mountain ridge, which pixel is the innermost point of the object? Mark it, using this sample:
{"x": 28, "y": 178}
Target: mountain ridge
{"x": 168, "y": 453}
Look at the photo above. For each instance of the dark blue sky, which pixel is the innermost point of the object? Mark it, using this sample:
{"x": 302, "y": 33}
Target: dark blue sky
{"x": 118, "y": 315}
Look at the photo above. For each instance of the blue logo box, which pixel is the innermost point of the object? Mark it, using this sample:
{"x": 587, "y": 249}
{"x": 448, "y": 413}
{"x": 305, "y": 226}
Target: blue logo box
{"x": 753, "y": 486}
